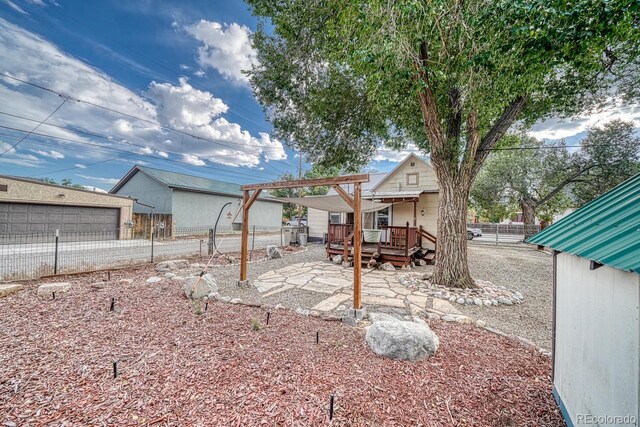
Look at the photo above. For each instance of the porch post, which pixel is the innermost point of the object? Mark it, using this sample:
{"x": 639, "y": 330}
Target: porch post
{"x": 357, "y": 256}
{"x": 415, "y": 212}
{"x": 244, "y": 236}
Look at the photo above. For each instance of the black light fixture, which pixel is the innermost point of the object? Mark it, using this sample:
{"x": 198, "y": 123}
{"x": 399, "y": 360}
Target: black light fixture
{"x": 422, "y": 212}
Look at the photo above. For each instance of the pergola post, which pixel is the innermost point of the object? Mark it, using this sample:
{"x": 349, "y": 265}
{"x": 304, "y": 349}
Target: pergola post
{"x": 244, "y": 236}
{"x": 357, "y": 255}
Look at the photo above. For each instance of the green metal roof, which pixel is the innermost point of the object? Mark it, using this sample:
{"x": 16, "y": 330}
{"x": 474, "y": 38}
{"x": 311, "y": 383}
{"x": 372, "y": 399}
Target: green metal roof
{"x": 195, "y": 183}
{"x": 605, "y": 230}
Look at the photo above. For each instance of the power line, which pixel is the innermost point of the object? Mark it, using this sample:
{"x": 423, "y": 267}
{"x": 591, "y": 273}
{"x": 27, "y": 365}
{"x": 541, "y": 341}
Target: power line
{"x": 127, "y": 153}
{"x": 34, "y": 129}
{"x": 142, "y": 119}
{"x": 545, "y": 147}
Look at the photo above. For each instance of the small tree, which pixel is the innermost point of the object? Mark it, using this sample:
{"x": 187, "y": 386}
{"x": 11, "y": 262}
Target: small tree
{"x": 339, "y": 78}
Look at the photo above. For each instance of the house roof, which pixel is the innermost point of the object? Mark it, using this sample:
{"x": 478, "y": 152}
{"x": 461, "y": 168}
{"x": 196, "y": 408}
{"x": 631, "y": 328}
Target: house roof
{"x": 65, "y": 187}
{"x": 605, "y": 230}
{"x": 181, "y": 181}
{"x": 398, "y": 166}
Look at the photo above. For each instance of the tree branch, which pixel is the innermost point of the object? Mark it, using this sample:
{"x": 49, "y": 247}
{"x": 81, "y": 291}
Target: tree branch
{"x": 564, "y": 183}
{"x": 430, "y": 115}
{"x": 500, "y": 127}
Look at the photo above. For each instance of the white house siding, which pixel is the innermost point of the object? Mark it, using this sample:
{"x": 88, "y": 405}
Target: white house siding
{"x": 597, "y": 354}
{"x": 397, "y": 181}
{"x": 317, "y": 221}
{"x": 191, "y": 209}
{"x": 403, "y": 212}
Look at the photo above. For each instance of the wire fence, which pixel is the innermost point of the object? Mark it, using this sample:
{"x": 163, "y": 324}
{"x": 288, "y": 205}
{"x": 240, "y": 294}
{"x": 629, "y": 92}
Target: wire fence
{"x": 35, "y": 255}
{"x": 500, "y": 234}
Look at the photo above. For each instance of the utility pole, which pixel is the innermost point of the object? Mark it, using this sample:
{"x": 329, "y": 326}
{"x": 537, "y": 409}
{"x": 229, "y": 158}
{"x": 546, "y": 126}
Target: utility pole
{"x": 299, "y": 189}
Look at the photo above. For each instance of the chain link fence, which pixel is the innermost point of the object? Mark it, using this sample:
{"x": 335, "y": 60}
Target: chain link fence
{"x": 35, "y": 255}
{"x": 501, "y": 234}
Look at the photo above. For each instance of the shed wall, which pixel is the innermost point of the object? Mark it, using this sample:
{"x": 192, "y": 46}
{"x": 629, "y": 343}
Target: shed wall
{"x": 148, "y": 191}
{"x": 317, "y": 221}
{"x": 201, "y": 210}
{"x": 597, "y": 353}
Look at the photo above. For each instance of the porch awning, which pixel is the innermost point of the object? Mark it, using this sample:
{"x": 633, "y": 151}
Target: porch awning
{"x": 333, "y": 203}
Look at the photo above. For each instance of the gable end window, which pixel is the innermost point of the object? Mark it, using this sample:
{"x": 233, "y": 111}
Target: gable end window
{"x": 412, "y": 179}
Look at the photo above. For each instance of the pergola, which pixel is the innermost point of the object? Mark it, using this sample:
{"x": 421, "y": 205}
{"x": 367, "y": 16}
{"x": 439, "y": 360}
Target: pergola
{"x": 252, "y": 191}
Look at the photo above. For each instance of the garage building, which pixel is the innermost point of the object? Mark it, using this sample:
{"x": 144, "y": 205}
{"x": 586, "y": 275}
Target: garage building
{"x": 29, "y": 207}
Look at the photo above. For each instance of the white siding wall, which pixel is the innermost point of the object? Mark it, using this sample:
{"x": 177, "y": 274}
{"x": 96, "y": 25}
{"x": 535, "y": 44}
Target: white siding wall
{"x": 403, "y": 212}
{"x": 317, "y": 221}
{"x": 597, "y": 360}
{"x": 397, "y": 181}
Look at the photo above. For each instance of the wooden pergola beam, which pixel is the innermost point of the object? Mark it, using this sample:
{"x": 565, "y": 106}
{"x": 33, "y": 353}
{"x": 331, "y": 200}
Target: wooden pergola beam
{"x": 319, "y": 182}
{"x": 354, "y": 202}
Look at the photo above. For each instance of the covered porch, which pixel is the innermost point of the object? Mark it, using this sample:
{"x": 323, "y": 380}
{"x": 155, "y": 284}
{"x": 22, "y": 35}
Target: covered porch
{"x": 397, "y": 245}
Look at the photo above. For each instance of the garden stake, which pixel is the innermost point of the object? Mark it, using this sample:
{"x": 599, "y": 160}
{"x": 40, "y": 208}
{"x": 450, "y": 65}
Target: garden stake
{"x": 268, "y": 315}
{"x": 113, "y": 304}
{"x": 54, "y": 295}
{"x": 115, "y": 371}
{"x": 206, "y": 306}
{"x": 108, "y": 276}
{"x": 317, "y": 337}
{"x": 331, "y": 408}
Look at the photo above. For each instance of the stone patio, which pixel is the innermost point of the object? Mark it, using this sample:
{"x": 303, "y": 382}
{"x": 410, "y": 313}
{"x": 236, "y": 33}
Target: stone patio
{"x": 381, "y": 289}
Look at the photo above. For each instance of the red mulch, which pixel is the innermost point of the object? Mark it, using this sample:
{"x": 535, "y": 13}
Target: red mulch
{"x": 180, "y": 368}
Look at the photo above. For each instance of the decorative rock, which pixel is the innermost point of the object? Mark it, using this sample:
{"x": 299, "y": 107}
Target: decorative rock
{"x": 452, "y": 299}
{"x": 279, "y": 307}
{"x": 337, "y": 260}
{"x": 127, "y": 281}
{"x": 174, "y": 264}
{"x": 487, "y": 303}
{"x": 402, "y": 340}
{"x": 48, "y": 288}
{"x": 480, "y": 323}
{"x": 460, "y": 300}
{"x": 154, "y": 279}
{"x": 477, "y": 301}
{"x": 274, "y": 252}
{"x": 98, "y": 285}
{"x": 9, "y": 289}
{"x": 177, "y": 278}
{"x": 206, "y": 285}
{"x": 214, "y": 295}
{"x": 235, "y": 301}
{"x": 302, "y": 311}
{"x": 387, "y": 266}
{"x": 225, "y": 299}
{"x": 169, "y": 275}
{"x": 505, "y": 301}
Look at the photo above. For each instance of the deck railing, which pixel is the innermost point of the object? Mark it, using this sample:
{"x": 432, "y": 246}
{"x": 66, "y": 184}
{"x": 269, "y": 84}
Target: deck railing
{"x": 398, "y": 237}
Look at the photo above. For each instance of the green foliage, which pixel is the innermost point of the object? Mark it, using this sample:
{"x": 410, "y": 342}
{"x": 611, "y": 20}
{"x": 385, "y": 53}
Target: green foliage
{"x": 614, "y": 152}
{"x": 339, "y": 78}
{"x": 255, "y": 325}
{"x": 65, "y": 181}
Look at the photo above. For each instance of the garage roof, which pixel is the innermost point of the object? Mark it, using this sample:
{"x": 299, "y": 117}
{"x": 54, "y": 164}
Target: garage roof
{"x": 605, "y": 230}
{"x": 184, "y": 182}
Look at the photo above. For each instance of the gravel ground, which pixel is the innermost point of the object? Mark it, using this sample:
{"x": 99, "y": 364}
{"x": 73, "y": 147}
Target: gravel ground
{"x": 179, "y": 365}
{"x": 525, "y": 270}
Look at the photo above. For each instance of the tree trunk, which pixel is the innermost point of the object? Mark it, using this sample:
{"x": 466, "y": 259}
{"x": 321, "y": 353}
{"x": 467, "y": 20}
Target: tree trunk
{"x": 451, "y": 267}
{"x": 529, "y": 216}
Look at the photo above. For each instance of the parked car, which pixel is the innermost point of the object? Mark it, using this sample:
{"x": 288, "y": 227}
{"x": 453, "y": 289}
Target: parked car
{"x": 473, "y": 232}
{"x": 294, "y": 222}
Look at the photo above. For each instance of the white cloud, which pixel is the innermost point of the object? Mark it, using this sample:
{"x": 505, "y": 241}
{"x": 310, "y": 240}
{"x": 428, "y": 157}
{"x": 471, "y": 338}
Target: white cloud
{"x": 15, "y": 7}
{"x": 56, "y": 155}
{"x": 390, "y": 155}
{"x": 559, "y": 129}
{"x": 193, "y": 160}
{"x": 12, "y": 157}
{"x": 96, "y": 189}
{"x": 111, "y": 181}
{"x": 225, "y": 48}
{"x": 198, "y": 112}
{"x": 80, "y": 166}
{"x": 200, "y": 73}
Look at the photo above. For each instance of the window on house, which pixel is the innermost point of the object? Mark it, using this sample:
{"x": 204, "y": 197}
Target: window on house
{"x": 412, "y": 179}
{"x": 334, "y": 217}
{"x": 413, "y": 164}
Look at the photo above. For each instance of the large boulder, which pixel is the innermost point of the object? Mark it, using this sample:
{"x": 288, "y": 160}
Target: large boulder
{"x": 402, "y": 340}
{"x": 274, "y": 252}
{"x": 9, "y": 289}
{"x": 174, "y": 264}
{"x": 387, "y": 266}
{"x": 49, "y": 288}
{"x": 206, "y": 285}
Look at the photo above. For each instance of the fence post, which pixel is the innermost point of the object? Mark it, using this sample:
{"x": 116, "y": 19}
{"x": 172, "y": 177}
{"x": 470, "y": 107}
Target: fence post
{"x": 497, "y": 232}
{"x": 210, "y": 242}
{"x": 55, "y": 256}
{"x": 151, "y": 234}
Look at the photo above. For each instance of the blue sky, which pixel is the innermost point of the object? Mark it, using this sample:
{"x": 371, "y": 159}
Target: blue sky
{"x": 156, "y": 65}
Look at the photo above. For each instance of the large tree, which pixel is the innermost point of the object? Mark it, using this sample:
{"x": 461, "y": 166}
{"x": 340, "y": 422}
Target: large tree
{"x": 543, "y": 179}
{"x": 340, "y": 78}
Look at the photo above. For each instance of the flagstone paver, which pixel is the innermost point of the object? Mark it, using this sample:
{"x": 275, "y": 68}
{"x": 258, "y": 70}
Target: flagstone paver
{"x": 379, "y": 288}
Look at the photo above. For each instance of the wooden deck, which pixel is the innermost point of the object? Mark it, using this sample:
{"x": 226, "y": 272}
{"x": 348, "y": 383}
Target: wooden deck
{"x": 398, "y": 246}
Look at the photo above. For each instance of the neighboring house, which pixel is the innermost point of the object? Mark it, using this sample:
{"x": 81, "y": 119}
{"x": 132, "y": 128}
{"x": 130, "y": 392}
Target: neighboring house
{"x": 29, "y": 206}
{"x": 596, "y": 327}
{"x": 411, "y": 189}
{"x": 184, "y": 201}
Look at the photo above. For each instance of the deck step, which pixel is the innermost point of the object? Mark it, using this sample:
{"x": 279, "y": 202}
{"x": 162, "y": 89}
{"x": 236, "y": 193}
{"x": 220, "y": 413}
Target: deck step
{"x": 429, "y": 257}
